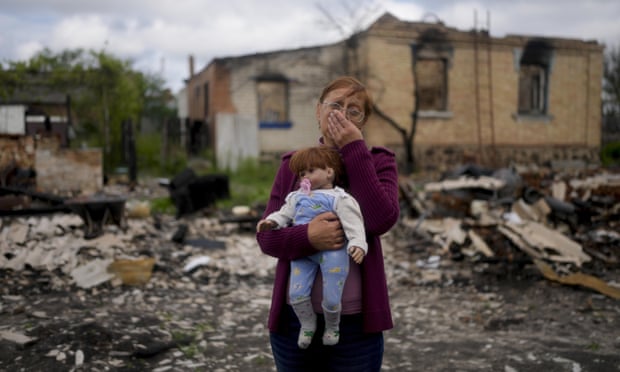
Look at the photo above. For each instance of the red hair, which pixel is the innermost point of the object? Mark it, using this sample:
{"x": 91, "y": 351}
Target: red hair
{"x": 356, "y": 88}
{"x": 317, "y": 157}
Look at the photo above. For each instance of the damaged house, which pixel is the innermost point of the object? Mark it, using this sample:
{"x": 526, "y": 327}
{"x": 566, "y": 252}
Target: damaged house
{"x": 465, "y": 95}
{"x": 35, "y": 153}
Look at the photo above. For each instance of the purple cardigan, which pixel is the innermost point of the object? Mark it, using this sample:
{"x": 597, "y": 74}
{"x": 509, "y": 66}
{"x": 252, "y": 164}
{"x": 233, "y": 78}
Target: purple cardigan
{"x": 373, "y": 181}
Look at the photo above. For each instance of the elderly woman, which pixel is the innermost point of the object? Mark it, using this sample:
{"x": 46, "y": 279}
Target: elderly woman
{"x": 343, "y": 108}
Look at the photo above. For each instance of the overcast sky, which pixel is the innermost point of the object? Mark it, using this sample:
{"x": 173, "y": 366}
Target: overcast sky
{"x": 159, "y": 35}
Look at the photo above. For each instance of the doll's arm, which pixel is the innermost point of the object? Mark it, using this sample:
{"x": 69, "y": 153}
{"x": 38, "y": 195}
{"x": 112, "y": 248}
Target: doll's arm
{"x": 266, "y": 225}
{"x": 357, "y": 254}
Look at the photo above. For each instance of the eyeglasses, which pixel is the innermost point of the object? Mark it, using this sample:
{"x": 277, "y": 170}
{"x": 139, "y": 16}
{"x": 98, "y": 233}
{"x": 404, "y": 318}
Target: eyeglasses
{"x": 352, "y": 114}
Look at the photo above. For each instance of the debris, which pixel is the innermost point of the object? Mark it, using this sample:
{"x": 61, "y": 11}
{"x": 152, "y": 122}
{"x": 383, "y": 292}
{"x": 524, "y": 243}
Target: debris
{"x": 180, "y": 234}
{"x": 579, "y": 279}
{"x": 465, "y": 182}
{"x": 18, "y": 338}
{"x": 98, "y": 210}
{"x": 220, "y": 301}
{"x": 92, "y": 273}
{"x": 79, "y": 358}
{"x": 551, "y": 218}
{"x": 196, "y": 262}
{"x": 547, "y": 243}
{"x": 430, "y": 263}
{"x": 479, "y": 244}
{"x": 133, "y": 271}
{"x": 241, "y": 210}
{"x": 191, "y": 193}
{"x": 138, "y": 209}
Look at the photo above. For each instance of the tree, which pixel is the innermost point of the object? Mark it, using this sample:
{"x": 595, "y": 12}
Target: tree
{"x": 106, "y": 91}
{"x": 350, "y": 27}
{"x": 611, "y": 82}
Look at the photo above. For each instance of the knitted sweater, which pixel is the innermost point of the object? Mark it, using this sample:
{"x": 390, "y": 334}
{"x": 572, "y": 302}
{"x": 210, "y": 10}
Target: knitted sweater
{"x": 373, "y": 181}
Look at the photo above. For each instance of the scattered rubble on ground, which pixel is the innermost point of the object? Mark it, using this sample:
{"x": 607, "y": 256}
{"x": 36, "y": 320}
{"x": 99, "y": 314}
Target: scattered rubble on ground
{"x": 511, "y": 271}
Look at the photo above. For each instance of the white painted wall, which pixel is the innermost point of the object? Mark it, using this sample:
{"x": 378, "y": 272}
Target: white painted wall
{"x": 13, "y": 119}
{"x": 235, "y": 140}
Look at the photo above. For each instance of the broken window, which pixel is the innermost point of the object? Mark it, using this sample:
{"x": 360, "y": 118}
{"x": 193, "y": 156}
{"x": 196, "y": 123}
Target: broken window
{"x": 532, "y": 87}
{"x": 534, "y": 71}
{"x": 273, "y": 103}
{"x": 432, "y": 84}
{"x": 432, "y": 58}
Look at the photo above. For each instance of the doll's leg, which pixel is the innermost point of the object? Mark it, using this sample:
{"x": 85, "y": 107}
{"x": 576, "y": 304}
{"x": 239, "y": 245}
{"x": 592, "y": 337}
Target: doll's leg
{"x": 334, "y": 268}
{"x": 303, "y": 272}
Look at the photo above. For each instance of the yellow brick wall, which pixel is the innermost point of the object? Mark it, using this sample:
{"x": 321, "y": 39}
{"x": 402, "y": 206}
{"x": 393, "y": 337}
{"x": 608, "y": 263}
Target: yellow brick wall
{"x": 483, "y": 116}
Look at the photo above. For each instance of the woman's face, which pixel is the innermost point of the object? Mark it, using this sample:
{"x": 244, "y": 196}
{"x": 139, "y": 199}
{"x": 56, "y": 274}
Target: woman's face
{"x": 349, "y": 106}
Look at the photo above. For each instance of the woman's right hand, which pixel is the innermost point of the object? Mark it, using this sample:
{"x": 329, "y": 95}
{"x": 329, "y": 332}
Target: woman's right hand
{"x": 325, "y": 232}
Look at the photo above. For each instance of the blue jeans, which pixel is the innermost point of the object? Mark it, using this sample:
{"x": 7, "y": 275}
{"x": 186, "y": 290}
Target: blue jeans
{"x": 355, "y": 352}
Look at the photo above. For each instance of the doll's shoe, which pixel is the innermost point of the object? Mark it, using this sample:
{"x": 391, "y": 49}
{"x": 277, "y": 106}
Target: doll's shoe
{"x": 331, "y": 336}
{"x": 305, "y": 338}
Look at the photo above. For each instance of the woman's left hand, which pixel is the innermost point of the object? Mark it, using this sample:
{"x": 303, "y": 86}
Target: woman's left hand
{"x": 342, "y": 130}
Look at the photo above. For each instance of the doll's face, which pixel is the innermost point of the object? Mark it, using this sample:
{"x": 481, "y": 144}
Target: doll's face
{"x": 320, "y": 178}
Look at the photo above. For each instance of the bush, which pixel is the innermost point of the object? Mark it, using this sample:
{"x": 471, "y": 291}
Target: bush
{"x": 610, "y": 154}
{"x": 148, "y": 148}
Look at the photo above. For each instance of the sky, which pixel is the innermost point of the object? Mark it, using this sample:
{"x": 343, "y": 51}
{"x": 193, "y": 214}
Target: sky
{"x": 158, "y": 36}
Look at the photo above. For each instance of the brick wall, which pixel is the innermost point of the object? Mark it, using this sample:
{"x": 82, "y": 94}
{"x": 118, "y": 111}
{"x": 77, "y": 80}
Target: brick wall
{"x": 58, "y": 170}
{"x": 69, "y": 171}
{"x": 17, "y": 151}
{"x": 443, "y": 158}
{"x": 481, "y": 120}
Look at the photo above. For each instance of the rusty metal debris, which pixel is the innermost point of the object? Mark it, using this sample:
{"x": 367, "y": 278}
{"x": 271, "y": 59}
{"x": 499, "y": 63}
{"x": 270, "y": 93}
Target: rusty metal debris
{"x": 98, "y": 210}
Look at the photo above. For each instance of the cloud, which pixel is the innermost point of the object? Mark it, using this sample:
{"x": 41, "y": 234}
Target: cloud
{"x": 80, "y": 31}
{"x": 159, "y": 35}
{"x": 28, "y": 49}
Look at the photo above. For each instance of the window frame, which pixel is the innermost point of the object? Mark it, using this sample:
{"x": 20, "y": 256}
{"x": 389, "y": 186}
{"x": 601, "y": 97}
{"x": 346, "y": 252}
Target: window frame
{"x": 439, "y": 49}
{"x": 282, "y": 119}
{"x": 533, "y": 65}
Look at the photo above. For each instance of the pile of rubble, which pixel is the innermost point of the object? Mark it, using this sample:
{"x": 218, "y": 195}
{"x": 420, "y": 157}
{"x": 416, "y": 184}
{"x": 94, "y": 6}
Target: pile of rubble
{"x": 567, "y": 224}
{"x": 123, "y": 299}
{"x": 162, "y": 292}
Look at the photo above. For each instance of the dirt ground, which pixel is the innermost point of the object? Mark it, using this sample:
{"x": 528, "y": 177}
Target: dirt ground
{"x": 460, "y": 316}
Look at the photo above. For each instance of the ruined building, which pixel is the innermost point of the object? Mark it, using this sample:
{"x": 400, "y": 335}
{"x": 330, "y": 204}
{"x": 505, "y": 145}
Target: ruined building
{"x": 468, "y": 97}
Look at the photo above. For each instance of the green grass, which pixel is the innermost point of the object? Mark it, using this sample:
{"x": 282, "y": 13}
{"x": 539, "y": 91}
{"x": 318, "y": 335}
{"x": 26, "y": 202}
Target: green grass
{"x": 250, "y": 184}
{"x": 148, "y": 148}
{"x": 162, "y": 205}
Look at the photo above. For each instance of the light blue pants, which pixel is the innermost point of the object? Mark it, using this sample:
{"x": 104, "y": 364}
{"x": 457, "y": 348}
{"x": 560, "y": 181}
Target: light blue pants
{"x": 334, "y": 268}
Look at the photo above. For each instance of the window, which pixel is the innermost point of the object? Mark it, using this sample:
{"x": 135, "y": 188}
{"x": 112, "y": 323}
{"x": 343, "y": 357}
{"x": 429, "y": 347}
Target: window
{"x": 532, "y": 89}
{"x": 273, "y": 103}
{"x": 432, "y": 58}
{"x": 534, "y": 68}
{"x": 432, "y": 84}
